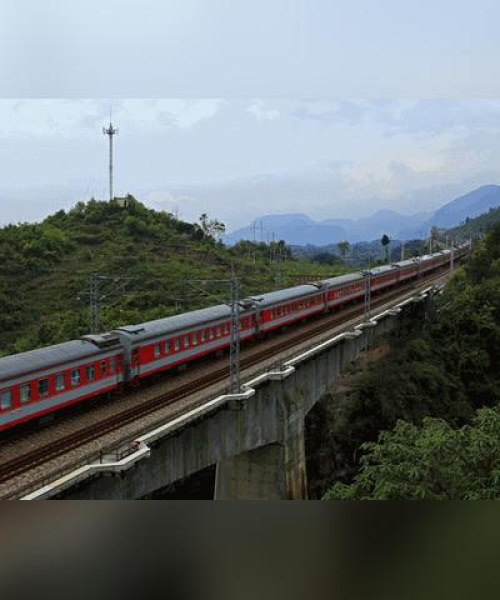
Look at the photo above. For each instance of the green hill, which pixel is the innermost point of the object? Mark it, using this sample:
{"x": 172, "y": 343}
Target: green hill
{"x": 476, "y": 228}
{"x": 146, "y": 255}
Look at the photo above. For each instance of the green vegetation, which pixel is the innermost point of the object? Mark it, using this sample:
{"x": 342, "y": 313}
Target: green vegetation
{"x": 476, "y": 228}
{"x": 147, "y": 255}
{"x": 385, "y": 241}
{"x": 435, "y": 398}
{"x": 432, "y": 462}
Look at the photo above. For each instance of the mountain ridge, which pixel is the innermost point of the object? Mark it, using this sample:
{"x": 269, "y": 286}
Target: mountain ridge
{"x": 299, "y": 229}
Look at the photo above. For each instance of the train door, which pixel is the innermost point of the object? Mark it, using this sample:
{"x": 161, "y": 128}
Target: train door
{"x": 135, "y": 363}
{"x": 120, "y": 375}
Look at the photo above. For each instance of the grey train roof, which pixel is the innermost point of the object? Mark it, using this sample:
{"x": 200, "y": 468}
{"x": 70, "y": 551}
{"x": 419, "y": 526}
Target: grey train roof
{"x": 342, "y": 279}
{"x": 152, "y": 329}
{"x": 382, "y": 269}
{"x": 406, "y": 263}
{"x": 282, "y": 295}
{"x": 18, "y": 364}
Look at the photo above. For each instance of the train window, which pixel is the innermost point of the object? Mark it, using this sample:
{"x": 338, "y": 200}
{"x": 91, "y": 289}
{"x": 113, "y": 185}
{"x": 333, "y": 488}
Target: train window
{"x": 218, "y": 331}
{"x": 203, "y": 336}
{"x": 112, "y": 365}
{"x": 75, "y": 377}
{"x": 102, "y": 368}
{"x": 177, "y": 344}
{"x": 157, "y": 351}
{"x": 168, "y": 347}
{"x": 211, "y": 334}
{"x": 226, "y": 329}
{"x": 60, "y": 382}
{"x": 6, "y": 399}
{"x": 186, "y": 341}
{"x": 25, "y": 395}
{"x": 43, "y": 387}
{"x": 90, "y": 373}
{"x": 195, "y": 338}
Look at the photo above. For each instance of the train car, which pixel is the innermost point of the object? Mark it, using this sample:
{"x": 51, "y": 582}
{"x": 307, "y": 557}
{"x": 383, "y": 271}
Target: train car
{"x": 165, "y": 343}
{"x": 426, "y": 264}
{"x": 41, "y": 381}
{"x": 283, "y": 307}
{"x": 445, "y": 258}
{"x": 345, "y": 288}
{"x": 383, "y": 277}
{"x": 407, "y": 269}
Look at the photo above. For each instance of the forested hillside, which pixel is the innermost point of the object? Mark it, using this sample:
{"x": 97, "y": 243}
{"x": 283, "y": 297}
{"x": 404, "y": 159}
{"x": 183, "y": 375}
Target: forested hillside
{"x": 147, "y": 256}
{"x": 476, "y": 228}
{"x": 436, "y": 399}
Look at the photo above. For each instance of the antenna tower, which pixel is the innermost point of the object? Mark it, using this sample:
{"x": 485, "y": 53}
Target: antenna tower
{"x": 110, "y": 132}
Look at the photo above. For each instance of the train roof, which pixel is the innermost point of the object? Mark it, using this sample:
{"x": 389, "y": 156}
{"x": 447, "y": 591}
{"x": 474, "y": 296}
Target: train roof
{"x": 35, "y": 360}
{"x": 283, "y": 295}
{"x": 382, "y": 269}
{"x": 342, "y": 279}
{"x": 167, "y": 325}
{"x": 406, "y": 263}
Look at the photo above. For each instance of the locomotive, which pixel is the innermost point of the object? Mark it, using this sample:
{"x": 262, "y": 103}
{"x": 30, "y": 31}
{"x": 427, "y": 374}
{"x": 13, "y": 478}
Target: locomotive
{"x": 45, "y": 380}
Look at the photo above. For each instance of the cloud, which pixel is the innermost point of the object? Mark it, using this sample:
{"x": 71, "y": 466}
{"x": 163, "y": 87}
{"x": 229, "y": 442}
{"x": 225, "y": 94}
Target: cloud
{"x": 72, "y": 118}
{"x": 180, "y": 113}
{"x": 262, "y": 112}
{"x": 405, "y": 117}
{"x": 438, "y": 117}
{"x": 329, "y": 113}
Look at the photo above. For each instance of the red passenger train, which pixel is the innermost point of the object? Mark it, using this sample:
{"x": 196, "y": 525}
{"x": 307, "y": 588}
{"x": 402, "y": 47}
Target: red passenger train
{"x": 41, "y": 381}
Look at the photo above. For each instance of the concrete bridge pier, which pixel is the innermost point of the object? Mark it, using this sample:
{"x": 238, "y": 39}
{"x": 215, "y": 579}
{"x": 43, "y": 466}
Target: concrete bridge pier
{"x": 254, "y": 475}
{"x": 273, "y": 472}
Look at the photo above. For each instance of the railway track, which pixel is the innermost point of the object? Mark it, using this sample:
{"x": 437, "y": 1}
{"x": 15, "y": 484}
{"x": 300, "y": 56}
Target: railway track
{"x": 22, "y": 464}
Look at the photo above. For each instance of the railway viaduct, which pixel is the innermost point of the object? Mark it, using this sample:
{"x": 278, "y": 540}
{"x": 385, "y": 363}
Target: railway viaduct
{"x": 255, "y": 439}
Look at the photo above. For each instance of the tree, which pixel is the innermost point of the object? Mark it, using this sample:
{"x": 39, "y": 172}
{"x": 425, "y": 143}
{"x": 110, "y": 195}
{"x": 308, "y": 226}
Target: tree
{"x": 431, "y": 462}
{"x": 343, "y": 247}
{"x": 211, "y": 227}
{"x": 385, "y": 241}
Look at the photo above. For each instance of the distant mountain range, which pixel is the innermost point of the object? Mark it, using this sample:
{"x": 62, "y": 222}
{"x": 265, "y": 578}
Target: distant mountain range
{"x": 299, "y": 229}
{"x": 471, "y": 205}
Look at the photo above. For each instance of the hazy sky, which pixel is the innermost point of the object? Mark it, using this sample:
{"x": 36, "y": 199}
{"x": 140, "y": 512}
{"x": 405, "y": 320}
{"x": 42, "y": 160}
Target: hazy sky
{"x": 238, "y": 159}
{"x": 246, "y": 138}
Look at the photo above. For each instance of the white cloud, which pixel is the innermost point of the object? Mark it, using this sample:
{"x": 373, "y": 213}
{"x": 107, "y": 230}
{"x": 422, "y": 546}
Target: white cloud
{"x": 83, "y": 118}
{"x": 180, "y": 113}
{"x": 262, "y": 112}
